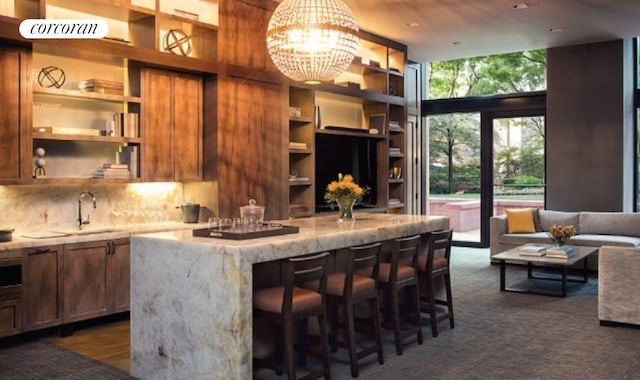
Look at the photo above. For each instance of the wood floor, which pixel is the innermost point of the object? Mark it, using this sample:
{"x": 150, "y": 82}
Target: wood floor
{"x": 107, "y": 343}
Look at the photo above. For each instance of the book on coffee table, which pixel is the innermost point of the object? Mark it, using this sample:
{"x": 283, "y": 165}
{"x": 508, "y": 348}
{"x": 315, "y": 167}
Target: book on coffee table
{"x": 562, "y": 252}
{"x": 532, "y": 250}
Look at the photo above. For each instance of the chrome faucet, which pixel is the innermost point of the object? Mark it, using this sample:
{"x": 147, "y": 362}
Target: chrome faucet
{"x": 80, "y": 221}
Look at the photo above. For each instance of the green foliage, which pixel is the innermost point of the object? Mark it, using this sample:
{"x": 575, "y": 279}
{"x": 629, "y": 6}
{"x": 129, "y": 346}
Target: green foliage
{"x": 489, "y": 75}
{"x": 522, "y": 181}
{"x": 454, "y": 139}
{"x": 466, "y": 178}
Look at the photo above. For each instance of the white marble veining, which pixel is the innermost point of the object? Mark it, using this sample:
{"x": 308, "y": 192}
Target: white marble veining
{"x": 191, "y": 297}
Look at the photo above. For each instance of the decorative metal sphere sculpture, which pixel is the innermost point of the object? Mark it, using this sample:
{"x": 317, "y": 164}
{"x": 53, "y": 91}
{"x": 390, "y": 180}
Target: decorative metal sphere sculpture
{"x": 312, "y": 40}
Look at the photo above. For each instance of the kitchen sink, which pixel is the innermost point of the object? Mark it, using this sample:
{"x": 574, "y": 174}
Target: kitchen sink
{"x": 88, "y": 231}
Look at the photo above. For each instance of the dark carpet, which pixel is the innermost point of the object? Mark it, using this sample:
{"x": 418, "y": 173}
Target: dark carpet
{"x": 40, "y": 360}
{"x": 500, "y": 335}
{"x": 497, "y": 336}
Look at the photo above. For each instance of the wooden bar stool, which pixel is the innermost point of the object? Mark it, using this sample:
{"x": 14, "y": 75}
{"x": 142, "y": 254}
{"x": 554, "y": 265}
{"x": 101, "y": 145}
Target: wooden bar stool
{"x": 346, "y": 289}
{"x": 400, "y": 275}
{"x": 291, "y": 305}
{"x": 433, "y": 267}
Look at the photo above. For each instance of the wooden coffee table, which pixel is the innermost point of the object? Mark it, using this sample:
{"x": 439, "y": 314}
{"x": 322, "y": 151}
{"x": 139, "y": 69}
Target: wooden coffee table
{"x": 513, "y": 255}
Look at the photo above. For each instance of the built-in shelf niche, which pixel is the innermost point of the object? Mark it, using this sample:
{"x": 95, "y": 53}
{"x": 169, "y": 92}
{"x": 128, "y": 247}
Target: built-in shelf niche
{"x": 340, "y": 111}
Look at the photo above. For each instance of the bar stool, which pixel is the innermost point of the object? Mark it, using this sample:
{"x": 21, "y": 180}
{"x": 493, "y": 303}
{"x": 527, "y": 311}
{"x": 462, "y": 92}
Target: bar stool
{"x": 346, "y": 289}
{"x": 292, "y": 304}
{"x": 432, "y": 267}
{"x": 399, "y": 275}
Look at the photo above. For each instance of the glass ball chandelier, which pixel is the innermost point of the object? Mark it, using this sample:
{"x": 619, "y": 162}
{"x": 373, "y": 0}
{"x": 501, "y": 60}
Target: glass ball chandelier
{"x": 312, "y": 41}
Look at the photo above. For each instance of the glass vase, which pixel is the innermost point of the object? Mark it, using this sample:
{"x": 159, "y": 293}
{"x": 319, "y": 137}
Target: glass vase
{"x": 345, "y": 206}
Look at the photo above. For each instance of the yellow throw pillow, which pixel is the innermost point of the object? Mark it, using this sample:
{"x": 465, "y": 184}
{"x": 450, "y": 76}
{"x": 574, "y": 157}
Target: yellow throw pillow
{"x": 520, "y": 221}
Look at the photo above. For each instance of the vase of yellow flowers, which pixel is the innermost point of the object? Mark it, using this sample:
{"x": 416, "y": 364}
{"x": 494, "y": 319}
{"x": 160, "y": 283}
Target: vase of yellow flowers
{"x": 345, "y": 192}
{"x": 560, "y": 235}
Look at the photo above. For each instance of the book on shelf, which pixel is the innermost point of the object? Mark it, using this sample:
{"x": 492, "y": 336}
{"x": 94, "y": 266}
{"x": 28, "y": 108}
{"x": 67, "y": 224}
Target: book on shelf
{"x": 562, "y": 252}
{"x": 110, "y": 165}
{"x": 532, "y": 250}
{"x": 297, "y": 145}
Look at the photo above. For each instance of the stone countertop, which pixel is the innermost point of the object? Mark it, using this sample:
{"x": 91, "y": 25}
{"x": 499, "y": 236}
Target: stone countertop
{"x": 88, "y": 234}
{"x": 191, "y": 297}
{"x": 315, "y": 234}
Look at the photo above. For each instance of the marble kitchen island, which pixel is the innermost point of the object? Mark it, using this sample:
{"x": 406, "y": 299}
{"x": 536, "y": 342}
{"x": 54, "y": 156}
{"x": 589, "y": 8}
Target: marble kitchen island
{"x": 191, "y": 297}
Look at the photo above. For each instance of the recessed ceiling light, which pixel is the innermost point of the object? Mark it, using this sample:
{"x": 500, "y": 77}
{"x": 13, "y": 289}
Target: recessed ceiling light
{"x": 413, "y": 24}
{"x": 520, "y": 6}
{"x": 556, "y": 30}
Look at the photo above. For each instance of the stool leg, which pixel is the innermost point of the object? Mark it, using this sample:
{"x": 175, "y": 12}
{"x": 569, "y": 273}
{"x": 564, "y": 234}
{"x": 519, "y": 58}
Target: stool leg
{"x": 333, "y": 323}
{"x": 416, "y": 309}
{"x": 375, "y": 318}
{"x": 322, "y": 322}
{"x": 289, "y": 358}
{"x": 432, "y": 309}
{"x": 447, "y": 279}
{"x": 351, "y": 338}
{"x": 395, "y": 310}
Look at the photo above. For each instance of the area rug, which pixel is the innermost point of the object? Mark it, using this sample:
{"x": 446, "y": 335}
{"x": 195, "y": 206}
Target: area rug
{"x": 40, "y": 360}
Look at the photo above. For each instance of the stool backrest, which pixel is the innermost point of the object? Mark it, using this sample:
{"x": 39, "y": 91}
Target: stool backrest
{"x": 405, "y": 252}
{"x": 439, "y": 245}
{"x": 302, "y": 270}
{"x": 364, "y": 260}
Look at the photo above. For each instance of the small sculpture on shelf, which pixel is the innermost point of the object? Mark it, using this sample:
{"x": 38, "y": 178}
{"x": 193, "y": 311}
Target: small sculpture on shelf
{"x": 51, "y": 76}
{"x": 40, "y": 162}
{"x": 178, "y": 42}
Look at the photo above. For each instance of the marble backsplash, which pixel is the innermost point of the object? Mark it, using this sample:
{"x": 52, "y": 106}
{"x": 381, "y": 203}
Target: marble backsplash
{"x": 51, "y": 207}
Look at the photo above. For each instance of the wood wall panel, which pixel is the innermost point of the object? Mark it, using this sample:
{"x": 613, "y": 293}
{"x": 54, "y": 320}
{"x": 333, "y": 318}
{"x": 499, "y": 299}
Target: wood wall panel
{"x": 252, "y": 131}
{"x": 252, "y": 147}
{"x": 15, "y": 117}
{"x": 242, "y": 31}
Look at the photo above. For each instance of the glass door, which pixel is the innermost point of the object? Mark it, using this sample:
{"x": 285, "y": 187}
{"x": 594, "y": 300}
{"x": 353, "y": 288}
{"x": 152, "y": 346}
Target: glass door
{"x": 518, "y": 163}
{"x": 455, "y": 173}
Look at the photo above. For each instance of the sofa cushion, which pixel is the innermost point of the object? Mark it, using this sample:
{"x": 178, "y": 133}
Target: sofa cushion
{"x": 610, "y": 223}
{"x": 560, "y": 218}
{"x": 536, "y": 237}
{"x": 520, "y": 220}
{"x": 597, "y": 240}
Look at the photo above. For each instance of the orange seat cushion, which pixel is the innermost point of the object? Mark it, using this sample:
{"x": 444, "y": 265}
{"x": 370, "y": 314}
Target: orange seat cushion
{"x": 438, "y": 262}
{"x": 361, "y": 284}
{"x": 271, "y": 299}
{"x": 404, "y": 272}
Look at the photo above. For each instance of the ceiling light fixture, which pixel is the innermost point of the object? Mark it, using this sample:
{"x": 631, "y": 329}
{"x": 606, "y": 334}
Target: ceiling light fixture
{"x": 520, "y": 6}
{"x": 312, "y": 41}
{"x": 555, "y": 30}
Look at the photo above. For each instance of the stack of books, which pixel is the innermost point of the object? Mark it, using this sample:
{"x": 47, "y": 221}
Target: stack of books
{"x": 394, "y": 151}
{"x": 101, "y": 86}
{"x": 562, "y": 252}
{"x": 394, "y": 126}
{"x": 297, "y": 145}
{"x": 111, "y": 171}
{"x": 532, "y": 250}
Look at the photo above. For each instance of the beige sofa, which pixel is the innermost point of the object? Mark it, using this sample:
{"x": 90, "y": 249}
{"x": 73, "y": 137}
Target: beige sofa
{"x": 592, "y": 229}
{"x": 618, "y": 285}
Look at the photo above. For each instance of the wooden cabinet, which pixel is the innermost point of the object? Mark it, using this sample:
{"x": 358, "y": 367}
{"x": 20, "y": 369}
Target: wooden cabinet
{"x": 42, "y": 287}
{"x": 171, "y": 126}
{"x": 96, "y": 279}
{"x": 15, "y": 118}
{"x": 119, "y": 276}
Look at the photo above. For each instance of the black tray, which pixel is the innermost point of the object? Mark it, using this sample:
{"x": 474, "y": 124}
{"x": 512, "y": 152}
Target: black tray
{"x": 242, "y": 234}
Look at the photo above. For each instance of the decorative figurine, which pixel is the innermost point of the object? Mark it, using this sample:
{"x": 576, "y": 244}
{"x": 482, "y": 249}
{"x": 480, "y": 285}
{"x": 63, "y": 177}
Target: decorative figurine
{"x": 40, "y": 162}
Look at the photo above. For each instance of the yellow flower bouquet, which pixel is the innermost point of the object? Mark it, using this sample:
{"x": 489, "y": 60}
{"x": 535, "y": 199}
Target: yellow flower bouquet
{"x": 561, "y": 234}
{"x": 345, "y": 192}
